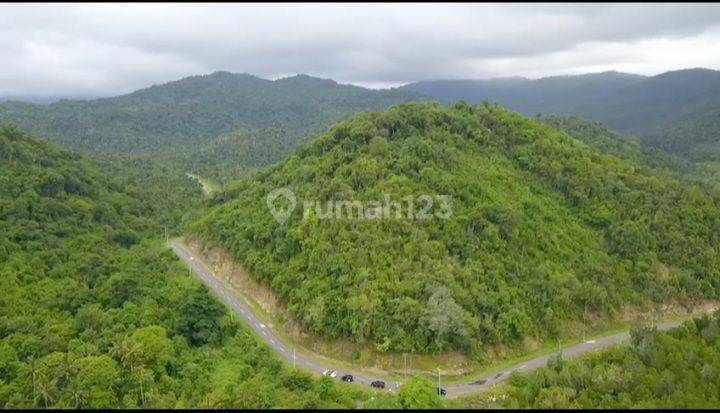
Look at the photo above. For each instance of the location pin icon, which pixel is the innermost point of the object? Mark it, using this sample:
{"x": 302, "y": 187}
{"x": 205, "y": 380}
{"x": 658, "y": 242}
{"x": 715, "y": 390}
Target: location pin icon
{"x": 281, "y": 214}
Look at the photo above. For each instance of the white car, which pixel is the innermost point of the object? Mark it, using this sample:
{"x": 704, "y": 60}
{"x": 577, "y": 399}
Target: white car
{"x": 330, "y": 373}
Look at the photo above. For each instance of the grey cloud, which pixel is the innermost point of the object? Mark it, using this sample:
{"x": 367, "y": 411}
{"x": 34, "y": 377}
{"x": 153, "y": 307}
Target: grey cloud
{"x": 106, "y": 49}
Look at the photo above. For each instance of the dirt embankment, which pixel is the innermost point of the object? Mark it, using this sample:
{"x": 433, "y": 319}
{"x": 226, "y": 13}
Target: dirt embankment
{"x": 238, "y": 278}
{"x": 260, "y": 296}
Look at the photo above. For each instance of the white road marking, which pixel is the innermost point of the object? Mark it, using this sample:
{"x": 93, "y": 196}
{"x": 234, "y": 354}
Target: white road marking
{"x": 210, "y": 279}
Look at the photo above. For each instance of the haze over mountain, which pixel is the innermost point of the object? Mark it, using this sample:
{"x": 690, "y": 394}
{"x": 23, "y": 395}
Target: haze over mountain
{"x": 674, "y": 111}
{"x": 40, "y": 99}
{"x": 343, "y": 206}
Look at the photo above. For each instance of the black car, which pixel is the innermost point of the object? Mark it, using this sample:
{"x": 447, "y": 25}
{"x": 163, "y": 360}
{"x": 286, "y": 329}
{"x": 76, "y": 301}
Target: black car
{"x": 378, "y": 384}
{"x": 440, "y": 391}
{"x": 347, "y": 377}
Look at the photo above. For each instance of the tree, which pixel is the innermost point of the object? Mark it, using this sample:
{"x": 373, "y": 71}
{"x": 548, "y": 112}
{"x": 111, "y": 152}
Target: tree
{"x": 97, "y": 375}
{"x": 325, "y": 388}
{"x": 382, "y": 401}
{"x": 445, "y": 319}
{"x": 153, "y": 345}
{"x": 554, "y": 398}
{"x": 201, "y": 313}
{"x": 419, "y": 393}
{"x": 9, "y": 362}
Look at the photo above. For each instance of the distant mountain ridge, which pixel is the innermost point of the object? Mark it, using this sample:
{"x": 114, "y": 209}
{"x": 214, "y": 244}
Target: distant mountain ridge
{"x": 193, "y": 110}
{"x": 674, "y": 111}
{"x": 651, "y": 107}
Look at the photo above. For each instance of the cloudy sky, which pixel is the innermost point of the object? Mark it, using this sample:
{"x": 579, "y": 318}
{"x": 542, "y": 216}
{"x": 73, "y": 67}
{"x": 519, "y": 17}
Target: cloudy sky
{"x": 100, "y": 50}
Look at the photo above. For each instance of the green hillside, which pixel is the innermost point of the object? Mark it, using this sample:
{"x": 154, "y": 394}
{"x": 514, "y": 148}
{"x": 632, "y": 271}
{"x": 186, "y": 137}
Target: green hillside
{"x": 188, "y": 112}
{"x": 678, "y": 369}
{"x": 544, "y": 228}
{"x": 695, "y": 136}
{"x": 95, "y": 312}
{"x": 239, "y": 153}
{"x": 628, "y": 148}
{"x": 674, "y": 111}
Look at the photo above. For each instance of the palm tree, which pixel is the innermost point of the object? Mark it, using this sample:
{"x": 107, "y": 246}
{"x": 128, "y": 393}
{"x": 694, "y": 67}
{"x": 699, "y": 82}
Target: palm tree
{"x": 32, "y": 372}
{"x": 143, "y": 375}
{"x": 46, "y": 388}
{"x": 128, "y": 352}
{"x": 77, "y": 394}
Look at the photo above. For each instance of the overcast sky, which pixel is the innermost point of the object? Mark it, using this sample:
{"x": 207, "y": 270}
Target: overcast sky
{"x": 100, "y": 50}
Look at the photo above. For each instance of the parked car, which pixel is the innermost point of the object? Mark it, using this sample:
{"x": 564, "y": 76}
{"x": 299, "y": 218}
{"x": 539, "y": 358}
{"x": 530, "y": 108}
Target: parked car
{"x": 347, "y": 377}
{"x": 330, "y": 373}
{"x": 440, "y": 391}
{"x": 378, "y": 384}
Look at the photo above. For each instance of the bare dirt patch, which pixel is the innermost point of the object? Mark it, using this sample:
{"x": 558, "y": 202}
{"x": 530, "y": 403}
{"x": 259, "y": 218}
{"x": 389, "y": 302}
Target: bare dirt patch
{"x": 261, "y": 296}
{"x": 237, "y": 277}
{"x": 669, "y": 309}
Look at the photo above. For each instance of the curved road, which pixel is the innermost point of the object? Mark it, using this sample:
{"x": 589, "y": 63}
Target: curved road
{"x": 286, "y": 351}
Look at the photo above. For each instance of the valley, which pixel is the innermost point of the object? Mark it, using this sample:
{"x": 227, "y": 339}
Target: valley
{"x": 561, "y": 231}
{"x": 287, "y": 349}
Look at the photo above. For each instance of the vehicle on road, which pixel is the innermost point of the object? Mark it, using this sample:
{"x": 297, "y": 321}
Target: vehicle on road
{"x": 440, "y": 391}
{"x": 348, "y": 378}
{"x": 582, "y": 348}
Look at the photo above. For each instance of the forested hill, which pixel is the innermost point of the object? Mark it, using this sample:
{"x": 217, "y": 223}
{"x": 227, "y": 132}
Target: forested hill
{"x": 543, "y": 228}
{"x": 546, "y": 95}
{"x": 96, "y": 312}
{"x": 677, "y": 369}
{"x": 628, "y": 148}
{"x": 673, "y": 111}
{"x": 190, "y": 111}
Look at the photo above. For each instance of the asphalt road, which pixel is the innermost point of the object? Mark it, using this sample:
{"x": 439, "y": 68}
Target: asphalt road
{"x": 286, "y": 351}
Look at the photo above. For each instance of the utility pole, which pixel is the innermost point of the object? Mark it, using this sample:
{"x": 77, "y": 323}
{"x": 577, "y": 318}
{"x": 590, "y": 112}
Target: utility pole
{"x": 584, "y": 322}
{"x": 438, "y": 389}
{"x": 559, "y": 350}
{"x": 652, "y": 318}
{"x": 405, "y": 363}
{"x": 293, "y": 357}
{"x": 167, "y": 240}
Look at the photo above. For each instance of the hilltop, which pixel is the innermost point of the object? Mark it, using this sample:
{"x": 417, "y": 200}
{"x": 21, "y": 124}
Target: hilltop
{"x": 673, "y": 111}
{"x": 194, "y": 110}
{"x": 544, "y": 230}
